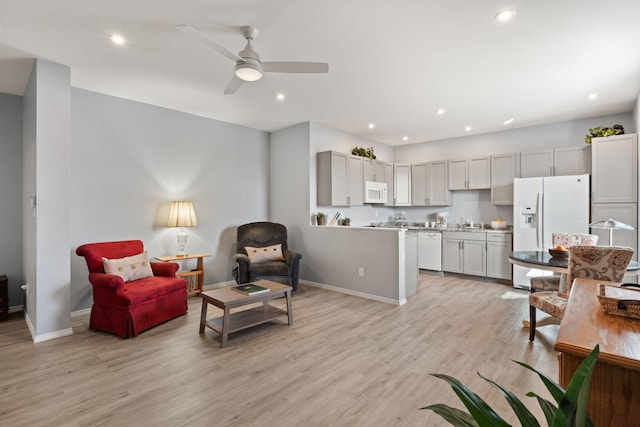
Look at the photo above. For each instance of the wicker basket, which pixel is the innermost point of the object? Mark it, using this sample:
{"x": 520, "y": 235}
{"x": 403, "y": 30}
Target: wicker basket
{"x": 619, "y": 301}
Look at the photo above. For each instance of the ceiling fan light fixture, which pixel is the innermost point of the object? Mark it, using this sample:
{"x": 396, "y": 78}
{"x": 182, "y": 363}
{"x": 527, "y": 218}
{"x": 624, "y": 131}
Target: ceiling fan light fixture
{"x": 505, "y": 15}
{"x": 248, "y": 72}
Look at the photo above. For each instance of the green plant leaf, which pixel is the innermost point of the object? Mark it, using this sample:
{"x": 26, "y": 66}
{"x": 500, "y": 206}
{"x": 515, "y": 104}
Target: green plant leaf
{"x": 524, "y": 415}
{"x": 453, "y": 416}
{"x": 573, "y": 406}
{"x": 478, "y": 408}
{"x": 554, "y": 388}
{"x": 548, "y": 408}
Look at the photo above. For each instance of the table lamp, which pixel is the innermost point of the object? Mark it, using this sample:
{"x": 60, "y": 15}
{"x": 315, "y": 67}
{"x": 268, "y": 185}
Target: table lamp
{"x": 182, "y": 215}
{"x": 611, "y": 224}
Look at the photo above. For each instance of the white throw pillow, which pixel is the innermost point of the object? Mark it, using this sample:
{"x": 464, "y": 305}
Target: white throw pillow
{"x": 129, "y": 268}
{"x": 268, "y": 253}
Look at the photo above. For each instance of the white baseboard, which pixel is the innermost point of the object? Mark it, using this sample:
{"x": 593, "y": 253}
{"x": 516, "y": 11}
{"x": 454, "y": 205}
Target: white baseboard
{"x": 354, "y": 293}
{"x": 322, "y": 286}
{"x": 45, "y": 337}
{"x": 53, "y": 335}
{"x": 15, "y": 308}
{"x": 79, "y": 313}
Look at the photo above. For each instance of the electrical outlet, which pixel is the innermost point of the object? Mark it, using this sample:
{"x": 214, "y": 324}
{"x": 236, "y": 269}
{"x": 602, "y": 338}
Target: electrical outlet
{"x": 361, "y": 272}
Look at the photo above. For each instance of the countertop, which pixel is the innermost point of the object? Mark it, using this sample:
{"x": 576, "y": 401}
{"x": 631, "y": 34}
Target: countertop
{"x": 418, "y": 227}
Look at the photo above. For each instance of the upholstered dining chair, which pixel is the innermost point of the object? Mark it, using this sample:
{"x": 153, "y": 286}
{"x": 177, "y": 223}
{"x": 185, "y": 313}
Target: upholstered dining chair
{"x": 567, "y": 240}
{"x": 591, "y": 262}
{"x": 262, "y": 253}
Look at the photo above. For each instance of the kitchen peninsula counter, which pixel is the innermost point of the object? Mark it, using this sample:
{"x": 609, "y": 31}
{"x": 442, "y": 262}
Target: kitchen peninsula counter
{"x": 381, "y": 265}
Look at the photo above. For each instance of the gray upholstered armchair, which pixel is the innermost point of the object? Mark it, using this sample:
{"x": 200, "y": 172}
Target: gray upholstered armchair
{"x": 259, "y": 255}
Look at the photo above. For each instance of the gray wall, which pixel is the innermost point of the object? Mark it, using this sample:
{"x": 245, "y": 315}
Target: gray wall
{"x": 130, "y": 160}
{"x": 11, "y": 195}
{"x": 29, "y": 147}
{"x": 45, "y": 199}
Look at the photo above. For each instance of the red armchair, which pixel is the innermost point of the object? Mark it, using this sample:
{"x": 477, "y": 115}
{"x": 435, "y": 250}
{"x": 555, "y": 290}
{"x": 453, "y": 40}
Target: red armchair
{"x": 128, "y": 308}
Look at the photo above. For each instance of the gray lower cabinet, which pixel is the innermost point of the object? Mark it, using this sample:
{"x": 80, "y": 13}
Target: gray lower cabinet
{"x": 477, "y": 253}
{"x": 498, "y": 248}
{"x": 452, "y": 260}
{"x": 464, "y": 252}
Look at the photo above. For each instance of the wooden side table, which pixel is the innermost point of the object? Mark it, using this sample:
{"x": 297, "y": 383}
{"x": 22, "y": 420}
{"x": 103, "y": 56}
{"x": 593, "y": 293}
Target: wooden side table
{"x": 195, "y": 277}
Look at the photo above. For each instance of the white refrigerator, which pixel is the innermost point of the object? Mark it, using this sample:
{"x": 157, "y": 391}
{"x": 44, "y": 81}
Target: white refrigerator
{"x": 545, "y": 205}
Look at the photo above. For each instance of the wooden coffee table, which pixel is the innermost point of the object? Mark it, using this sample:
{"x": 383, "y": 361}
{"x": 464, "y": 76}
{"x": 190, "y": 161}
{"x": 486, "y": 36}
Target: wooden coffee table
{"x": 227, "y": 298}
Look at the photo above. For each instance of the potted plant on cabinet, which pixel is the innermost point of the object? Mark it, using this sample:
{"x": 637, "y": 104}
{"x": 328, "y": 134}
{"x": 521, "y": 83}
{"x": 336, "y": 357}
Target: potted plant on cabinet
{"x": 321, "y": 218}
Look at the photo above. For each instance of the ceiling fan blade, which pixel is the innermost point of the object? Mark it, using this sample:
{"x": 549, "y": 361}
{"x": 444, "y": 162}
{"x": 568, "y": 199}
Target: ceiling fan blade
{"x": 187, "y": 29}
{"x": 295, "y": 67}
{"x": 233, "y": 85}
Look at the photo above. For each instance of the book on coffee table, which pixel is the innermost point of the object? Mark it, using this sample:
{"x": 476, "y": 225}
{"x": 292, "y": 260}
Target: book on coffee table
{"x": 251, "y": 289}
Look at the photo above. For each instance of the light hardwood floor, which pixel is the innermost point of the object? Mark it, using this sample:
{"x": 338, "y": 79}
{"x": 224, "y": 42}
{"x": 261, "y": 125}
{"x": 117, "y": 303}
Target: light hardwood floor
{"x": 346, "y": 361}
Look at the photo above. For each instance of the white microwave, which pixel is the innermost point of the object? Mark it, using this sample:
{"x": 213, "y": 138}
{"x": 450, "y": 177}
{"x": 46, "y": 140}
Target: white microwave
{"x": 375, "y": 192}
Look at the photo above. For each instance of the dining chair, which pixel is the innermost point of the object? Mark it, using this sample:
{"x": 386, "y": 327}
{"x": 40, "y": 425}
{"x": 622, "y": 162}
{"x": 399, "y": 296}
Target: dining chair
{"x": 567, "y": 240}
{"x": 590, "y": 262}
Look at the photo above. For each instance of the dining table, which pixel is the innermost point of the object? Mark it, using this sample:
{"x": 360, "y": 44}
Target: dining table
{"x": 542, "y": 260}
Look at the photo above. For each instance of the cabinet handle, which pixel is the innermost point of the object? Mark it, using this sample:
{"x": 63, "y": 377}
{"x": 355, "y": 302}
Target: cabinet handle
{"x": 551, "y": 170}
{"x": 348, "y": 200}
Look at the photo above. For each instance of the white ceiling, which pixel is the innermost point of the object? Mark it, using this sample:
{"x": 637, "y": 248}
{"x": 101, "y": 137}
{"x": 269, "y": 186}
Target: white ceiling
{"x": 392, "y": 63}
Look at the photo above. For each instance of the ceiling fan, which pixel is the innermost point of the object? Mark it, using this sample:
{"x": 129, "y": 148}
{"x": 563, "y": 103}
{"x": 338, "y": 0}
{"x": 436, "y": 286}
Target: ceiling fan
{"x": 249, "y": 67}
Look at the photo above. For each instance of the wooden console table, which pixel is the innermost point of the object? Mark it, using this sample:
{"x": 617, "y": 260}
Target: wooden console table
{"x": 195, "y": 277}
{"x": 615, "y": 384}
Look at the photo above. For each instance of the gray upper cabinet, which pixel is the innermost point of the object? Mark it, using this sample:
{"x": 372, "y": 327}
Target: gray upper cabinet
{"x": 504, "y": 168}
{"x": 356, "y": 181}
{"x": 438, "y": 193}
{"x": 402, "y": 184}
{"x": 458, "y": 174}
{"x": 374, "y": 170}
{"x": 469, "y": 174}
{"x": 559, "y": 161}
{"x": 388, "y": 178}
{"x": 572, "y": 160}
{"x": 429, "y": 184}
{"x": 536, "y": 163}
{"x": 614, "y": 165}
{"x": 340, "y": 179}
{"x": 419, "y": 184}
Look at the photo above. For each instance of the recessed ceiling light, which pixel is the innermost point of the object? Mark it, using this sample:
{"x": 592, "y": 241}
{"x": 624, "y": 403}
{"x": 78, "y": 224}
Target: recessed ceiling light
{"x": 280, "y": 97}
{"x": 117, "y": 39}
{"x": 505, "y": 15}
{"x": 405, "y": 138}
{"x": 508, "y": 122}
{"x": 592, "y": 96}
{"x": 467, "y": 128}
{"x": 371, "y": 125}
{"x": 441, "y": 111}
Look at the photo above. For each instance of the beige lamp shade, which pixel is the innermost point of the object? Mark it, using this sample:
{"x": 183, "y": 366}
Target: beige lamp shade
{"x": 182, "y": 214}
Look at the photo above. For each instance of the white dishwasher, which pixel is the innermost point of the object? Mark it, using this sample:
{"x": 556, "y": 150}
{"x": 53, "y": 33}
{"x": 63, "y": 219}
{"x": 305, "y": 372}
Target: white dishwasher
{"x": 430, "y": 250}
